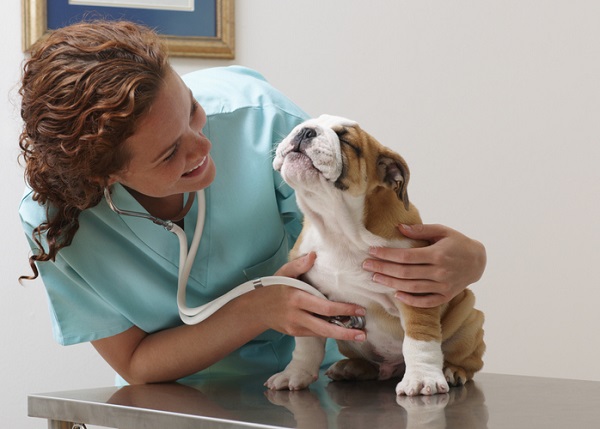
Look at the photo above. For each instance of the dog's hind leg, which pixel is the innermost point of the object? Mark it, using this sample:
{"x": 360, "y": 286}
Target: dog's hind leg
{"x": 462, "y": 343}
{"x": 353, "y": 369}
{"x": 459, "y": 373}
{"x": 422, "y": 350}
{"x": 356, "y": 367}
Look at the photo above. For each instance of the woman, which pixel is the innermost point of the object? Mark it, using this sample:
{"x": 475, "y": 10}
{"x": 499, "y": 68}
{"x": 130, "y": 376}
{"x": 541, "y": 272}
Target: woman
{"x": 102, "y": 108}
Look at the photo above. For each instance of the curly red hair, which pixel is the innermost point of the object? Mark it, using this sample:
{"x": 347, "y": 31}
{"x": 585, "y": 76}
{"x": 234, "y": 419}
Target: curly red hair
{"x": 83, "y": 89}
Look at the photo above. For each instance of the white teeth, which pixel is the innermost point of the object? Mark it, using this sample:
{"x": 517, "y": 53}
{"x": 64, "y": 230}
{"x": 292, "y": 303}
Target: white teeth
{"x": 199, "y": 165}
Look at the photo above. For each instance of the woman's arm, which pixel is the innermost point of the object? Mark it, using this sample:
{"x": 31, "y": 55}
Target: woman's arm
{"x": 432, "y": 275}
{"x": 174, "y": 353}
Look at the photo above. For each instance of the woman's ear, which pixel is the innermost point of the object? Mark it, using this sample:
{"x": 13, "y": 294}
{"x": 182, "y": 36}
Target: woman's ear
{"x": 104, "y": 182}
{"x": 111, "y": 180}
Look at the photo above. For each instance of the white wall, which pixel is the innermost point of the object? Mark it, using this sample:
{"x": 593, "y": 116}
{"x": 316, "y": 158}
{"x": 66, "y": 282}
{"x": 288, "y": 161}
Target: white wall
{"x": 496, "y": 107}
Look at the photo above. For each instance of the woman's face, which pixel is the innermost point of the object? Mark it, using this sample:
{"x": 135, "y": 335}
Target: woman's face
{"x": 168, "y": 153}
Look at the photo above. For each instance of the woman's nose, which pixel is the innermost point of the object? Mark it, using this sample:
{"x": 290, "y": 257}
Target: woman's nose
{"x": 196, "y": 140}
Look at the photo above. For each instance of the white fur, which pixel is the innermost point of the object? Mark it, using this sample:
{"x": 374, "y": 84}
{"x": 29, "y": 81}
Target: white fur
{"x": 304, "y": 366}
{"x": 333, "y": 122}
{"x": 424, "y": 361}
{"x": 324, "y": 152}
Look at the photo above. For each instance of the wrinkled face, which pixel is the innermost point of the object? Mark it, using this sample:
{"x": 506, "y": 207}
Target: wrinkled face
{"x": 335, "y": 153}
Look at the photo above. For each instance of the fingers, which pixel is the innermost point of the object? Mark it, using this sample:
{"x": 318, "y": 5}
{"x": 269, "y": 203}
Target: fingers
{"x": 299, "y": 313}
{"x": 415, "y": 255}
{"x": 416, "y": 274}
{"x": 412, "y": 286}
{"x": 316, "y": 326}
{"x": 418, "y": 293}
{"x": 401, "y": 270}
{"x": 423, "y": 276}
{"x": 298, "y": 266}
{"x": 323, "y": 307}
{"x": 429, "y": 232}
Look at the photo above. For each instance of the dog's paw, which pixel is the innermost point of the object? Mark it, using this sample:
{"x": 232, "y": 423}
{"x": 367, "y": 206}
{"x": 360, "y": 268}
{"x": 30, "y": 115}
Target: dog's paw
{"x": 455, "y": 376}
{"x": 291, "y": 379}
{"x": 352, "y": 369}
{"x": 424, "y": 381}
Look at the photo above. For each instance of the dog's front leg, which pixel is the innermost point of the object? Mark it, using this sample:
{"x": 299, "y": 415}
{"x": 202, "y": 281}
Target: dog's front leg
{"x": 422, "y": 350}
{"x": 304, "y": 366}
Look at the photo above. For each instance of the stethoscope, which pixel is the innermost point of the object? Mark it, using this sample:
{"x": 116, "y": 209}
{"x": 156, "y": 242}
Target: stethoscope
{"x": 194, "y": 315}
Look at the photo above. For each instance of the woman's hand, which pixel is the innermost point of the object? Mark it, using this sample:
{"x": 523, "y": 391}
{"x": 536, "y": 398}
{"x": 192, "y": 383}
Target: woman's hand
{"x": 432, "y": 275}
{"x": 171, "y": 354}
{"x": 295, "y": 312}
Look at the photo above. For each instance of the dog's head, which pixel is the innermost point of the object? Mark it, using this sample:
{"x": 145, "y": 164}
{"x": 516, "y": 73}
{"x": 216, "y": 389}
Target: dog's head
{"x": 332, "y": 153}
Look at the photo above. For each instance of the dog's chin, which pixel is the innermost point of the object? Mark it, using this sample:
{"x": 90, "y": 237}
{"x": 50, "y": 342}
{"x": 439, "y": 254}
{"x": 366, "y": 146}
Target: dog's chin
{"x": 298, "y": 169}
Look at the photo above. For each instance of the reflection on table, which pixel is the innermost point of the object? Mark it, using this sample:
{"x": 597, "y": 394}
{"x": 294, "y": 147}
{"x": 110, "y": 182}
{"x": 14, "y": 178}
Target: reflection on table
{"x": 491, "y": 401}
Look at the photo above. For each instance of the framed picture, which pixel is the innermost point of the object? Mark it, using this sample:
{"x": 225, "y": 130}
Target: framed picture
{"x": 191, "y": 28}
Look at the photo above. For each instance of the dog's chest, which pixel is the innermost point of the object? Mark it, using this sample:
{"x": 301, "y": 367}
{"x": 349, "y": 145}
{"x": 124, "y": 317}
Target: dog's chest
{"x": 338, "y": 273}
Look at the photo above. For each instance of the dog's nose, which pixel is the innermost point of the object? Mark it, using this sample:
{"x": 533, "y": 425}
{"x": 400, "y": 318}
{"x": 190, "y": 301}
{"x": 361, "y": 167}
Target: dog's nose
{"x": 303, "y": 138}
{"x": 307, "y": 133}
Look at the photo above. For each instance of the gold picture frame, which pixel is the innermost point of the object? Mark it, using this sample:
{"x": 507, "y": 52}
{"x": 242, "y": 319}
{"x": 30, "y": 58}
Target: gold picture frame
{"x": 35, "y": 27}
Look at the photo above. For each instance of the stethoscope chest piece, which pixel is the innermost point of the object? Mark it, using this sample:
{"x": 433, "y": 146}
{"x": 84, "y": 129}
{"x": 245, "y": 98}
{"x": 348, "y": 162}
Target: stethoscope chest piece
{"x": 350, "y": 322}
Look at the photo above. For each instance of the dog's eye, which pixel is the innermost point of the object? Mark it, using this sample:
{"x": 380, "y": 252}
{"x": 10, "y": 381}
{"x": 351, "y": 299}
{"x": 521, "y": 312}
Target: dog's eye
{"x": 355, "y": 148}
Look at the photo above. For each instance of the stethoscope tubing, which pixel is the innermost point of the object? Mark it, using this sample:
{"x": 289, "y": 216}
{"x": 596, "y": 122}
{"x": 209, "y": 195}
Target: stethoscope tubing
{"x": 195, "y": 315}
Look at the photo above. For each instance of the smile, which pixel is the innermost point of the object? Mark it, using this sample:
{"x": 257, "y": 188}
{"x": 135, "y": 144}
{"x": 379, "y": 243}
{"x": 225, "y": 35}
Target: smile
{"x": 202, "y": 162}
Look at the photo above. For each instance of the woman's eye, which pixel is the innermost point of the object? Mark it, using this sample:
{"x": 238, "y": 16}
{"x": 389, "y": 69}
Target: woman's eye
{"x": 172, "y": 154}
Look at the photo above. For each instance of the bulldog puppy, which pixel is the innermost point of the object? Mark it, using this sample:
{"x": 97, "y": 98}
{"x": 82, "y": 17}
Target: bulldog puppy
{"x": 353, "y": 193}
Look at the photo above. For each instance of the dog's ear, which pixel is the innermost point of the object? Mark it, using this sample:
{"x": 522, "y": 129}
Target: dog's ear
{"x": 393, "y": 173}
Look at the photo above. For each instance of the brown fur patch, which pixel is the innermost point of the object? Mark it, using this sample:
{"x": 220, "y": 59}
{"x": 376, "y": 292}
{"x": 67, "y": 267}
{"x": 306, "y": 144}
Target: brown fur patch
{"x": 462, "y": 333}
{"x": 458, "y": 325}
{"x": 422, "y": 324}
{"x": 384, "y": 209}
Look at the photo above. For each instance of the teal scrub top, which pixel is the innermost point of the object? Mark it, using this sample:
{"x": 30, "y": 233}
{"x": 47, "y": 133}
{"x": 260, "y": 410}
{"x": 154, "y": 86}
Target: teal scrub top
{"x": 121, "y": 271}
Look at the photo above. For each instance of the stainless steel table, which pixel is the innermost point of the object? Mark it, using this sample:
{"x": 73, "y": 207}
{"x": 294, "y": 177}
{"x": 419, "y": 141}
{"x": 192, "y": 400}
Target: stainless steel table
{"x": 491, "y": 401}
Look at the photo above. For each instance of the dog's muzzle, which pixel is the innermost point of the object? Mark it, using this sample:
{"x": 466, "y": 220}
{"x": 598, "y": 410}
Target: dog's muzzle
{"x": 312, "y": 144}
